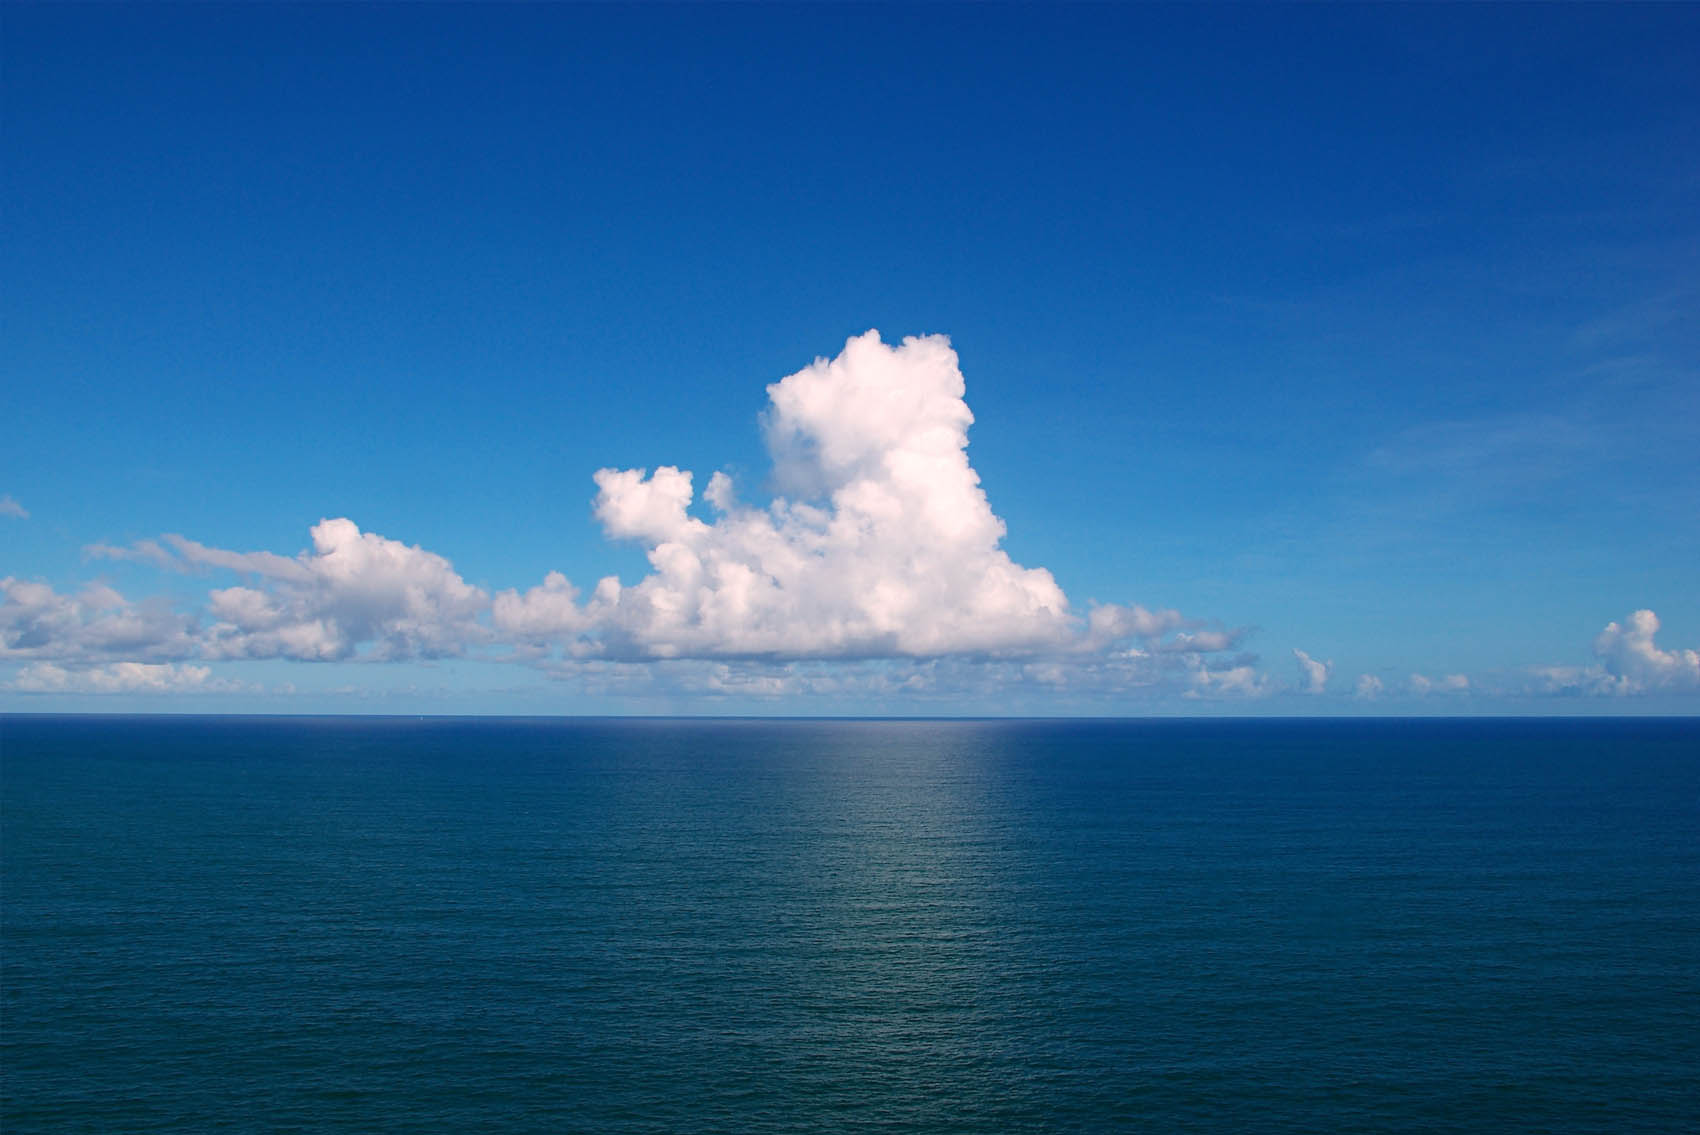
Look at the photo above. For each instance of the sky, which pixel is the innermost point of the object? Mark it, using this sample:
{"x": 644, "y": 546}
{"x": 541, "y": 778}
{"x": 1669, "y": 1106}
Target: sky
{"x": 850, "y": 359}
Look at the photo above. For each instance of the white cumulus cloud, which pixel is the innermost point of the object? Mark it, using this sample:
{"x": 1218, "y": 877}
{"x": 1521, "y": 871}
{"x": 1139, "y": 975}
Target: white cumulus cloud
{"x": 1636, "y": 664}
{"x": 354, "y": 594}
{"x": 1314, "y": 673}
{"x": 886, "y": 545}
{"x": 1629, "y": 663}
{"x": 38, "y": 622}
{"x": 547, "y": 612}
{"x": 353, "y": 591}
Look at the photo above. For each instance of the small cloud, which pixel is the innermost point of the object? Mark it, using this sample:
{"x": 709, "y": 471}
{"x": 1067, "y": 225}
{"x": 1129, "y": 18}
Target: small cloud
{"x": 1369, "y": 687}
{"x": 1240, "y": 678}
{"x": 10, "y": 507}
{"x": 1314, "y": 673}
{"x": 1422, "y": 685}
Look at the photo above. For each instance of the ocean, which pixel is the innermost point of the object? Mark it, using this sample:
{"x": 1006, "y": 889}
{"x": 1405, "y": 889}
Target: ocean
{"x": 500, "y": 925}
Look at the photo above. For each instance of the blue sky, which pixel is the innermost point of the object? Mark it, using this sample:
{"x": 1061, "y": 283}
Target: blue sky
{"x": 1364, "y": 332}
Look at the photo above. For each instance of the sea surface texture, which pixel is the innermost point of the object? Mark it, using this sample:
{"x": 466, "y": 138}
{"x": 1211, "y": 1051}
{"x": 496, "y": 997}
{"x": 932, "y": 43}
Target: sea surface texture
{"x": 689, "y": 925}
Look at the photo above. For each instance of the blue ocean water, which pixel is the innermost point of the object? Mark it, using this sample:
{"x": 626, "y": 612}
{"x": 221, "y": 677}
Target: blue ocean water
{"x": 667, "y": 925}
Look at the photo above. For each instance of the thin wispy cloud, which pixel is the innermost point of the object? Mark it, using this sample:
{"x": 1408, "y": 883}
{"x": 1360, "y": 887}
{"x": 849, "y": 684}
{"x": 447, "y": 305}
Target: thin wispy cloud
{"x": 1421, "y": 685}
{"x": 122, "y": 678}
{"x": 179, "y": 553}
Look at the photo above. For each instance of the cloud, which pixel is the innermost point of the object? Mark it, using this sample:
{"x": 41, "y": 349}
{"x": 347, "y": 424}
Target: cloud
{"x": 886, "y": 545}
{"x": 881, "y": 547}
{"x": 1422, "y": 685}
{"x": 1315, "y": 674}
{"x": 1630, "y": 663}
{"x": 1637, "y": 665}
{"x": 1242, "y": 679}
{"x": 10, "y": 507}
{"x": 37, "y": 622}
{"x": 751, "y": 679}
{"x": 548, "y": 612}
{"x": 142, "y": 551}
{"x": 179, "y": 553}
{"x": 1109, "y": 622}
{"x": 1369, "y": 687}
{"x": 355, "y": 594}
{"x": 119, "y": 678}
{"x": 1036, "y": 685}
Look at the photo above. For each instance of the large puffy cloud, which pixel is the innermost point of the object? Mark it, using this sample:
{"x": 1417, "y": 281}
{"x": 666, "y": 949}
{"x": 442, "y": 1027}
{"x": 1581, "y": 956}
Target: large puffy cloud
{"x": 886, "y": 545}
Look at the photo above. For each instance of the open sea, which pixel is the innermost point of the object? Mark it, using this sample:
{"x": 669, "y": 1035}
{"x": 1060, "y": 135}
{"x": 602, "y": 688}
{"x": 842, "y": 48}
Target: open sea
{"x": 502, "y": 925}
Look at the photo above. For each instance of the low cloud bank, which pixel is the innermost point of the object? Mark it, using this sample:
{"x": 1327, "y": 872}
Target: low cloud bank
{"x": 120, "y": 678}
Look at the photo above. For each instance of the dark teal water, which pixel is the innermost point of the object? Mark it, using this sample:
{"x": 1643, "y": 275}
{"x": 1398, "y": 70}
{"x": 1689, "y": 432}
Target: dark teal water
{"x": 402, "y": 925}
